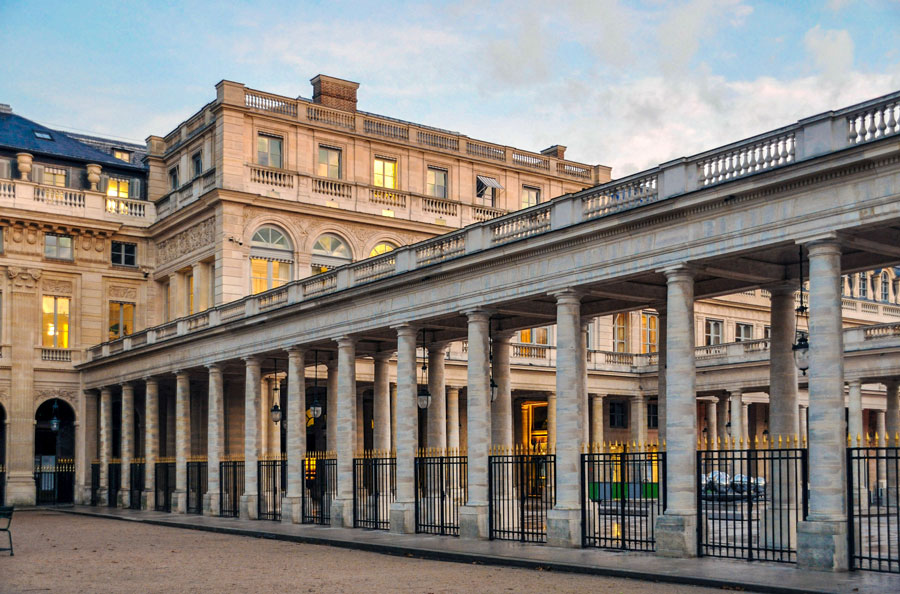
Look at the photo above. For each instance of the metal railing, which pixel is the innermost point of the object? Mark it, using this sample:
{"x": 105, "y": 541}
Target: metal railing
{"x": 2, "y": 485}
{"x": 95, "y": 484}
{"x": 165, "y": 484}
{"x": 749, "y": 502}
{"x": 441, "y": 488}
{"x": 374, "y": 489}
{"x": 320, "y": 487}
{"x": 54, "y": 483}
{"x": 873, "y": 483}
{"x": 270, "y": 487}
{"x": 197, "y": 476}
{"x": 521, "y": 489}
{"x": 136, "y": 483}
{"x": 114, "y": 482}
{"x": 622, "y": 495}
{"x": 231, "y": 476}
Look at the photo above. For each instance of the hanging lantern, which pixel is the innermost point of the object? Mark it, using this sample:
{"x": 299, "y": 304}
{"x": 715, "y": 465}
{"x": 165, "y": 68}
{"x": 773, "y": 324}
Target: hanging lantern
{"x": 54, "y": 422}
{"x": 424, "y": 398}
{"x": 801, "y": 347}
{"x": 276, "y": 413}
{"x": 316, "y": 409}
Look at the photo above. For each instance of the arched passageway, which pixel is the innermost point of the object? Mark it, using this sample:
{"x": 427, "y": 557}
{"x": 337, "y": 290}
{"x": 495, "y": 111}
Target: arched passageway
{"x": 54, "y": 453}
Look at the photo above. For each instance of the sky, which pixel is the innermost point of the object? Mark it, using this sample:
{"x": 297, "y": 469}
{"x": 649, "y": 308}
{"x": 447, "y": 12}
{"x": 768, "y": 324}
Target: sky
{"x": 624, "y": 84}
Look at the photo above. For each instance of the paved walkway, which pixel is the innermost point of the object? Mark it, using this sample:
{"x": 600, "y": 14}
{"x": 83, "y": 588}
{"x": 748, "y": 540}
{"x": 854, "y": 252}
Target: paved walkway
{"x": 748, "y": 576}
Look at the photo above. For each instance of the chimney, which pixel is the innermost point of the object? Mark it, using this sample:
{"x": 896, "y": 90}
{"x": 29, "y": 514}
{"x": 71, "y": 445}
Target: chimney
{"x": 5, "y": 108}
{"x": 557, "y": 150}
{"x": 334, "y": 92}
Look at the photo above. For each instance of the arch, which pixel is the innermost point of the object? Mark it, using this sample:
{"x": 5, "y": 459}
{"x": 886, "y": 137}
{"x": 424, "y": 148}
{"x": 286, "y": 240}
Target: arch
{"x": 54, "y": 452}
{"x": 382, "y": 247}
{"x": 330, "y": 250}
{"x": 271, "y": 258}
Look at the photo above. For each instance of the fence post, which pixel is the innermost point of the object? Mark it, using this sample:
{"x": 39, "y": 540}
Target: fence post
{"x": 851, "y": 542}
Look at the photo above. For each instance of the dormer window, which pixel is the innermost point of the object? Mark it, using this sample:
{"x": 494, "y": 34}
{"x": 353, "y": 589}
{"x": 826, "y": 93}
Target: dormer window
{"x": 122, "y": 155}
{"x": 42, "y": 135}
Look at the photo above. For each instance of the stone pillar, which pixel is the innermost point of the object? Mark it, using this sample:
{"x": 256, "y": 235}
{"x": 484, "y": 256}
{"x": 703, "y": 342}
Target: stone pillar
{"x": 822, "y": 538}
{"x": 737, "y": 417}
{"x": 883, "y": 441}
{"x": 127, "y": 443}
{"x": 721, "y": 420}
{"x": 676, "y": 529}
{"x": 85, "y": 445}
{"x": 151, "y": 442}
{"x": 745, "y": 420}
{"x": 638, "y": 419}
{"x": 403, "y": 510}
{"x": 215, "y": 439}
{"x": 783, "y": 411}
{"x": 855, "y": 413}
{"x": 564, "y": 520}
{"x": 892, "y": 432}
{"x": 331, "y": 406}
{"x": 252, "y": 396}
{"x": 551, "y": 421}
{"x": 473, "y": 517}
{"x": 342, "y": 505}
{"x": 295, "y": 417}
{"x": 437, "y": 410}
{"x": 662, "y": 350}
{"x": 802, "y": 423}
{"x": 597, "y": 420}
{"x": 712, "y": 426}
{"x": 393, "y": 417}
{"x": 381, "y": 403}
{"x": 105, "y": 444}
{"x": 360, "y": 424}
{"x": 586, "y": 404}
{"x": 501, "y": 407}
{"x": 182, "y": 439}
{"x": 453, "y": 418}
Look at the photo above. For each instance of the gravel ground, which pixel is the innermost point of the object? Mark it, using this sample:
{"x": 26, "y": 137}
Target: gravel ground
{"x": 58, "y": 552}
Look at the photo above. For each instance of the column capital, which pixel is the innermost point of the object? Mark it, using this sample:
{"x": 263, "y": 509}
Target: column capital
{"x": 891, "y": 384}
{"x": 106, "y": 390}
{"x": 821, "y": 246}
{"x": 735, "y": 393}
{"x": 439, "y": 346}
{"x": 503, "y": 336}
{"x": 179, "y": 373}
{"x": 597, "y": 396}
{"x": 478, "y": 314}
{"x": 679, "y": 272}
{"x": 127, "y": 385}
{"x": 404, "y": 330}
{"x": 295, "y": 351}
{"x": 854, "y": 383}
{"x": 252, "y": 359}
{"x": 151, "y": 381}
{"x": 783, "y": 288}
{"x": 568, "y": 295}
{"x": 219, "y": 367}
{"x": 383, "y": 355}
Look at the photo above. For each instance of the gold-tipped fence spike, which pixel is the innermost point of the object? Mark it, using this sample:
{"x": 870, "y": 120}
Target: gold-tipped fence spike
{"x": 756, "y": 441}
{"x": 877, "y": 442}
{"x": 897, "y": 439}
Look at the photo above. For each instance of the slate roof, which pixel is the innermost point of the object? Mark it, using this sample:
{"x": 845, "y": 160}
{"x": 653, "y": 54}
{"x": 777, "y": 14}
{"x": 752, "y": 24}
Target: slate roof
{"x": 17, "y": 133}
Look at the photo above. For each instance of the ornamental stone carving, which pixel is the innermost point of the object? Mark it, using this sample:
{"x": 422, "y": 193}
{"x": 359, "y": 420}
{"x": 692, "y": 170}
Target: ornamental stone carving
{"x": 184, "y": 242}
{"x": 43, "y": 395}
{"x": 23, "y": 278}
{"x": 123, "y": 293}
{"x": 56, "y": 287}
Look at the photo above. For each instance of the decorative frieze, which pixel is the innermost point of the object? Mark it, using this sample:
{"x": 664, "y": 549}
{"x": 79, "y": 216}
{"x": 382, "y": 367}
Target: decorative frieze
{"x": 52, "y": 286}
{"x": 23, "y": 278}
{"x": 184, "y": 242}
{"x": 129, "y": 293}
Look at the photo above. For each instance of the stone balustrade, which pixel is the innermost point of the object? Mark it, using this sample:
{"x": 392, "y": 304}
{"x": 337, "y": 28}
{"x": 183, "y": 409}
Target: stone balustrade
{"x": 78, "y": 203}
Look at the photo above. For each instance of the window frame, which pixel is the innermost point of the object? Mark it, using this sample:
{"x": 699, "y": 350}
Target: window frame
{"x": 126, "y": 154}
{"x": 537, "y": 195}
{"x": 709, "y": 335}
{"x": 481, "y": 191}
{"x": 121, "y": 320}
{"x": 327, "y": 148}
{"x": 269, "y": 137}
{"x": 56, "y": 256}
{"x": 173, "y": 178}
{"x": 618, "y": 414}
{"x": 620, "y": 342}
{"x": 396, "y": 174}
{"x": 114, "y": 184}
{"x": 739, "y": 327}
{"x": 648, "y": 345}
{"x": 124, "y": 254}
{"x": 56, "y": 313}
{"x": 431, "y": 187}
{"x": 885, "y": 287}
{"x": 197, "y": 163}
{"x": 863, "y": 286}
{"x": 653, "y": 415}
{"x": 52, "y": 172}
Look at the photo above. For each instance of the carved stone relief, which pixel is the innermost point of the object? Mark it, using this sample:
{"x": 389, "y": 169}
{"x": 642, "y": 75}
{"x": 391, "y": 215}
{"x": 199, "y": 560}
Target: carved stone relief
{"x": 200, "y": 235}
{"x": 23, "y": 278}
{"x": 56, "y": 287}
{"x": 123, "y": 292}
{"x": 45, "y": 394}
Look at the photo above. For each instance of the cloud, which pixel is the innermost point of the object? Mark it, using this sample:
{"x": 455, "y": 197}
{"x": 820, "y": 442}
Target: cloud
{"x": 830, "y": 50}
{"x": 685, "y": 25}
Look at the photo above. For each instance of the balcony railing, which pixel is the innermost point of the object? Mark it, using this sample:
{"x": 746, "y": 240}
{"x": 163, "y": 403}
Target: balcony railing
{"x": 78, "y": 203}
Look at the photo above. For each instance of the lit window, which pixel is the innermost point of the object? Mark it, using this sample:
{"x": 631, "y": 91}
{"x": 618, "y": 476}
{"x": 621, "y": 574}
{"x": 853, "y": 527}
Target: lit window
{"x": 121, "y": 319}
{"x": 535, "y": 336}
{"x": 55, "y": 322}
{"x": 117, "y": 188}
{"x": 618, "y": 415}
{"x": 197, "y": 163}
{"x": 743, "y": 332}
{"x": 54, "y": 176}
{"x": 863, "y": 286}
{"x": 268, "y": 151}
{"x": 124, "y": 254}
{"x": 530, "y": 196}
{"x": 385, "y": 171}
{"x": 271, "y": 259}
{"x": 437, "y": 182}
{"x": 42, "y": 135}
{"x": 173, "y": 178}
{"x": 329, "y": 162}
{"x": 713, "y": 332}
{"x": 649, "y": 332}
{"x": 58, "y": 246}
{"x": 122, "y": 155}
{"x": 653, "y": 415}
{"x": 328, "y": 252}
{"x": 382, "y": 248}
{"x": 620, "y": 333}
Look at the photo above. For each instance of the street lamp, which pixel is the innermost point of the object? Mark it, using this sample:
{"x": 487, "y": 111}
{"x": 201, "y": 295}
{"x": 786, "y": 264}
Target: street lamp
{"x": 54, "y": 421}
{"x": 423, "y": 399}
{"x": 276, "y": 410}
{"x": 801, "y": 347}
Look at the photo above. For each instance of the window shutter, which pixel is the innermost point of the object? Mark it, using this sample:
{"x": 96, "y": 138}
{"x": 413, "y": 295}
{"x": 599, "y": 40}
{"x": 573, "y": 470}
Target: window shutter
{"x": 5, "y": 169}
{"x": 134, "y": 190}
{"x": 104, "y": 183}
{"x": 37, "y": 174}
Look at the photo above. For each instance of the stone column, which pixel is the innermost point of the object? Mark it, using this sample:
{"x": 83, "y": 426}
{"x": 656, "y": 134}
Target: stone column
{"x": 437, "y": 410}
{"x": 453, "y": 418}
{"x": 393, "y": 417}
{"x": 712, "y": 426}
{"x": 662, "y": 348}
{"x": 892, "y": 432}
{"x": 676, "y": 529}
{"x": 360, "y": 424}
{"x": 804, "y": 434}
{"x": 745, "y": 420}
{"x": 215, "y": 438}
{"x": 883, "y": 441}
{"x": 127, "y": 443}
{"x": 638, "y": 419}
{"x": 783, "y": 411}
{"x": 331, "y": 406}
{"x": 151, "y": 442}
{"x": 721, "y": 420}
{"x": 822, "y": 538}
{"x": 737, "y": 417}
{"x": 295, "y": 417}
{"x": 342, "y": 505}
{"x": 381, "y": 403}
{"x": 105, "y": 444}
{"x": 501, "y": 407}
{"x": 182, "y": 439}
{"x": 597, "y": 420}
{"x": 403, "y": 510}
{"x": 473, "y": 517}
{"x": 85, "y": 445}
{"x": 564, "y": 520}
{"x": 551, "y": 421}
{"x": 855, "y": 412}
{"x": 252, "y": 396}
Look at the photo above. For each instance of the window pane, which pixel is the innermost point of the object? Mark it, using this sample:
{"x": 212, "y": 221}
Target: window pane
{"x": 50, "y": 246}
{"x": 275, "y": 152}
{"x": 382, "y": 248}
{"x": 130, "y": 254}
{"x": 259, "y": 274}
{"x": 62, "y": 322}
{"x": 127, "y": 318}
{"x": 48, "y": 332}
{"x": 281, "y": 273}
{"x": 114, "y": 326}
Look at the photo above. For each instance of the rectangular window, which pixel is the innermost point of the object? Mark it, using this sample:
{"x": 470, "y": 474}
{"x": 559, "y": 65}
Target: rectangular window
{"x": 437, "y": 182}
{"x": 649, "y": 332}
{"x": 197, "y": 163}
{"x": 652, "y": 415}
{"x": 618, "y": 415}
{"x": 55, "y": 322}
{"x": 121, "y": 319}
{"x": 885, "y": 287}
{"x": 713, "y": 332}
{"x": 117, "y": 188}
{"x": 767, "y": 332}
{"x": 743, "y": 332}
{"x": 385, "y": 173}
{"x": 530, "y": 196}
{"x": 189, "y": 292}
{"x": 329, "y": 162}
{"x": 484, "y": 194}
{"x": 173, "y": 178}
{"x": 863, "y": 286}
{"x": 124, "y": 254}
{"x": 55, "y": 176}
{"x": 535, "y": 336}
{"x": 122, "y": 155}
{"x": 620, "y": 333}
{"x": 58, "y": 246}
{"x": 268, "y": 151}
{"x": 268, "y": 274}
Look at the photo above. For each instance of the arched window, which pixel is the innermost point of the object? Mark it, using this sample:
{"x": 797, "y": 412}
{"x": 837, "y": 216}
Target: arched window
{"x": 271, "y": 259}
{"x": 382, "y": 248}
{"x": 885, "y": 287}
{"x": 330, "y": 251}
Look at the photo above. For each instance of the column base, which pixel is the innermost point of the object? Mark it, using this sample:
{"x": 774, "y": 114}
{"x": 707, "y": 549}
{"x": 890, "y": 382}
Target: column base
{"x": 564, "y": 528}
{"x": 676, "y": 536}
{"x": 179, "y": 502}
{"x": 211, "y": 504}
{"x": 249, "y": 507}
{"x": 822, "y": 545}
{"x": 291, "y": 509}
{"x": 124, "y": 498}
{"x": 103, "y": 496}
{"x": 342, "y": 513}
{"x": 148, "y": 500}
{"x": 20, "y": 491}
{"x": 473, "y": 521}
{"x": 403, "y": 517}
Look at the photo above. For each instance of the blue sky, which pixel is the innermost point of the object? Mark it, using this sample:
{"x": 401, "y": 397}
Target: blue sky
{"x": 626, "y": 84}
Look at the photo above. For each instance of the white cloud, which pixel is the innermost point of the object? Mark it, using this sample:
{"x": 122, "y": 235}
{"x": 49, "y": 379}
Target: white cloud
{"x": 830, "y": 50}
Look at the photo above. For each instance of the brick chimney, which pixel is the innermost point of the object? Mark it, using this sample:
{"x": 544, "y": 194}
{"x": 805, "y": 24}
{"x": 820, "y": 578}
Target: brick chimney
{"x": 334, "y": 92}
{"x": 557, "y": 150}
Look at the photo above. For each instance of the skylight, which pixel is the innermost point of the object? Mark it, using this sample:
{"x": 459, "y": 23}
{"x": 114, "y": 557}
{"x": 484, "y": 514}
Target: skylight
{"x": 43, "y": 135}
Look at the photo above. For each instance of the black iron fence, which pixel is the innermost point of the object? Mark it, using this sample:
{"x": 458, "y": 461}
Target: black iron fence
{"x": 749, "y": 502}
{"x": 440, "y": 491}
{"x": 522, "y": 488}
{"x": 319, "y": 488}
{"x": 272, "y": 475}
{"x": 873, "y": 489}
{"x": 136, "y": 483}
{"x": 114, "y": 478}
{"x": 2, "y": 485}
{"x": 95, "y": 483}
{"x": 231, "y": 478}
{"x": 622, "y": 494}
{"x": 374, "y": 489}
{"x": 196, "y": 485}
{"x": 165, "y": 483}
{"x": 55, "y": 482}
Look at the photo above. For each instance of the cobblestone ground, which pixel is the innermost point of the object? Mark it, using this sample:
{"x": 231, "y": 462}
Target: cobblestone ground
{"x": 58, "y": 552}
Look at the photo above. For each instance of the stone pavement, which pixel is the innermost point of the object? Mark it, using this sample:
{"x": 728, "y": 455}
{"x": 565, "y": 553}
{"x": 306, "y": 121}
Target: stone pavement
{"x": 723, "y": 573}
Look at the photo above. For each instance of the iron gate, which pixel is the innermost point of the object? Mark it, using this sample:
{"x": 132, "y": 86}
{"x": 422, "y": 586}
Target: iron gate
{"x": 522, "y": 487}
{"x": 749, "y": 503}
{"x": 196, "y": 485}
{"x": 270, "y": 483}
{"x": 622, "y": 494}
{"x": 136, "y": 483}
{"x": 55, "y": 483}
{"x": 319, "y": 489}
{"x": 873, "y": 479}
{"x": 231, "y": 477}
{"x": 114, "y": 484}
{"x": 440, "y": 490}
{"x": 374, "y": 489}
{"x": 165, "y": 484}
{"x": 95, "y": 483}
